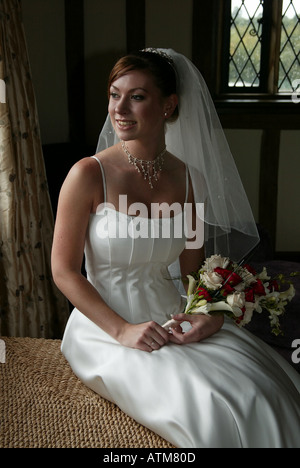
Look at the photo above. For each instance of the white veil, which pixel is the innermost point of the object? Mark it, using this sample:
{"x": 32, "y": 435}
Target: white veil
{"x": 197, "y": 138}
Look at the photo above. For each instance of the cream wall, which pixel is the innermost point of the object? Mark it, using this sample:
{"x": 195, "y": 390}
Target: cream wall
{"x": 288, "y": 221}
{"x": 168, "y": 24}
{"x": 245, "y": 148}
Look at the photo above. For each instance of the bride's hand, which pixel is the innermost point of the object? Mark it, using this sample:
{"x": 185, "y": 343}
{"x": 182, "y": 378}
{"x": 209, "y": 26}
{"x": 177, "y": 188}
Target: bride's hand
{"x": 202, "y": 326}
{"x": 148, "y": 336}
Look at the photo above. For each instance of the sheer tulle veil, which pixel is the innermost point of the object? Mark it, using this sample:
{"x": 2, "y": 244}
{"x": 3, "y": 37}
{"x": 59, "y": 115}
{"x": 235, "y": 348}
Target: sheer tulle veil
{"x": 197, "y": 138}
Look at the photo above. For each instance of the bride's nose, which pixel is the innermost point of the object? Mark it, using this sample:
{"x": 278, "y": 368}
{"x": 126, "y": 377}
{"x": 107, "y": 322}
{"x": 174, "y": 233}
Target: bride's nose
{"x": 121, "y": 107}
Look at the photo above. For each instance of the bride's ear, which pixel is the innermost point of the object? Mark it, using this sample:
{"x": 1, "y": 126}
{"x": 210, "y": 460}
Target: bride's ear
{"x": 171, "y": 106}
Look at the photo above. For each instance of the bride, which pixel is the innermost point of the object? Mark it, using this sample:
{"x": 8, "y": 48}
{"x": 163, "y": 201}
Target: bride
{"x": 163, "y": 163}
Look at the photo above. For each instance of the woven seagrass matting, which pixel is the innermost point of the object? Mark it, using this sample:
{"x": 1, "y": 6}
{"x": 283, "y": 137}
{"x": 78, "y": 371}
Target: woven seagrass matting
{"x": 44, "y": 405}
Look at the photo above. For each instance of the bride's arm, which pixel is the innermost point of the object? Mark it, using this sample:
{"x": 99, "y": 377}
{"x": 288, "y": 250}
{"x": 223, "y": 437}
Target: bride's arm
{"x": 76, "y": 202}
{"x": 73, "y": 212}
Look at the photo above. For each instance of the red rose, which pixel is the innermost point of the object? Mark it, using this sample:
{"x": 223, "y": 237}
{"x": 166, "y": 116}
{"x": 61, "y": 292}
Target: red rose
{"x": 227, "y": 289}
{"x": 222, "y": 272}
{"x": 233, "y": 280}
{"x": 273, "y": 285}
{"x": 258, "y": 288}
{"x": 249, "y": 295}
{"x": 203, "y": 294}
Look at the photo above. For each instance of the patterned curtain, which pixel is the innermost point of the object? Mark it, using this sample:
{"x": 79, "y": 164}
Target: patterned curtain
{"x": 30, "y": 303}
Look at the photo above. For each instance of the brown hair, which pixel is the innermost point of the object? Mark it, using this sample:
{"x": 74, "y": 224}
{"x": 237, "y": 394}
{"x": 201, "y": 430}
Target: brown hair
{"x": 163, "y": 72}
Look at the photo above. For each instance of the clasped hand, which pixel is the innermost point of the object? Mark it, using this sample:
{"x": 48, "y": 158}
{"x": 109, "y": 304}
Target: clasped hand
{"x": 150, "y": 336}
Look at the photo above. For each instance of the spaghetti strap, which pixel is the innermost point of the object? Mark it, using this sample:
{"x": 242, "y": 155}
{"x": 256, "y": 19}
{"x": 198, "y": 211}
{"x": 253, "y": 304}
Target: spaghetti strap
{"x": 186, "y": 184}
{"x": 104, "y": 180}
{"x": 103, "y": 176}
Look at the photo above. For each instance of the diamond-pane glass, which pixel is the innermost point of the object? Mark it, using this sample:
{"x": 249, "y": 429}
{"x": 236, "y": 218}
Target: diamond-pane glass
{"x": 289, "y": 61}
{"x": 245, "y": 43}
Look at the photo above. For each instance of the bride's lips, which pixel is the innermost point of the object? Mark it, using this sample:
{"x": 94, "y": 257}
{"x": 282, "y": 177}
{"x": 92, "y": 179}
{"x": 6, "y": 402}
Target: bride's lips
{"x": 125, "y": 124}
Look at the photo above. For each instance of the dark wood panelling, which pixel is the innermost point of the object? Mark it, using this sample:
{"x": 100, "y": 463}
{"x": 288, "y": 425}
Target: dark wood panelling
{"x": 74, "y": 42}
{"x": 135, "y": 25}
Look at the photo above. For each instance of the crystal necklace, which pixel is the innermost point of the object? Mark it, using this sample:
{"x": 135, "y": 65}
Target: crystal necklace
{"x": 149, "y": 169}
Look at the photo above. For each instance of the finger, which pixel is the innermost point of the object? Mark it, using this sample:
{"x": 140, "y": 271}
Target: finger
{"x": 160, "y": 340}
{"x": 176, "y": 336}
{"x": 150, "y": 346}
{"x": 153, "y": 341}
{"x": 174, "y": 339}
{"x": 154, "y": 345}
{"x": 144, "y": 347}
{"x": 180, "y": 317}
{"x": 156, "y": 341}
{"x": 159, "y": 335}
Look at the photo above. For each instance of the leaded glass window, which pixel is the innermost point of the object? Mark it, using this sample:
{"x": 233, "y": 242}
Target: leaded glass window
{"x": 289, "y": 59}
{"x": 263, "y": 40}
{"x": 245, "y": 43}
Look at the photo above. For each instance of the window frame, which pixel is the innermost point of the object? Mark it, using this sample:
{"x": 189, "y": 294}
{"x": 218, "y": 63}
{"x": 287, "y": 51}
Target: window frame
{"x": 270, "y": 55}
{"x": 267, "y": 69}
{"x": 269, "y": 113}
{"x": 217, "y": 27}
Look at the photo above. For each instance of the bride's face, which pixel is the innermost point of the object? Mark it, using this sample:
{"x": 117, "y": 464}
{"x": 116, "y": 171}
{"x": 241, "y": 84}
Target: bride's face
{"x": 136, "y": 107}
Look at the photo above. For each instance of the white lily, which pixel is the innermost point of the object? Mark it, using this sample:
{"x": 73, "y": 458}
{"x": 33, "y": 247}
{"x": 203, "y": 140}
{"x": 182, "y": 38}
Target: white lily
{"x": 216, "y": 306}
{"x": 263, "y": 275}
{"x": 289, "y": 294}
{"x": 250, "y": 307}
{"x": 192, "y": 284}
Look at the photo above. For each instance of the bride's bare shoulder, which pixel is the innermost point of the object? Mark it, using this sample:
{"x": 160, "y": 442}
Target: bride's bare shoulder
{"x": 109, "y": 156}
{"x": 88, "y": 168}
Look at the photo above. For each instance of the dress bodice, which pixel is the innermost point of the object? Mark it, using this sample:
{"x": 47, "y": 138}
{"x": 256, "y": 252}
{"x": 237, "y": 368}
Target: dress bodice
{"x": 128, "y": 259}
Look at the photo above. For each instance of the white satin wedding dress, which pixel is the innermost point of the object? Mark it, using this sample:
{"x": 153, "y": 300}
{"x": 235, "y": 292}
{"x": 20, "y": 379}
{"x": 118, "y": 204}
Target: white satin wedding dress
{"x": 230, "y": 390}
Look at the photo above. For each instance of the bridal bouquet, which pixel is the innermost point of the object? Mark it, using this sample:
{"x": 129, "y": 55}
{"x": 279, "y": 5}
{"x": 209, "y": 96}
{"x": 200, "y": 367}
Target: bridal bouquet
{"x": 222, "y": 286}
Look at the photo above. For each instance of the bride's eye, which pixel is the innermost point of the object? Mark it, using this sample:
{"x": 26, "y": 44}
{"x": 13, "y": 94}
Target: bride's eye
{"x": 137, "y": 97}
{"x": 114, "y": 95}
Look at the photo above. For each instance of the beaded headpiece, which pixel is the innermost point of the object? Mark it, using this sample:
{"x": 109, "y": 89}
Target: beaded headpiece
{"x": 163, "y": 54}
